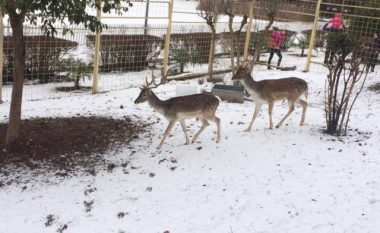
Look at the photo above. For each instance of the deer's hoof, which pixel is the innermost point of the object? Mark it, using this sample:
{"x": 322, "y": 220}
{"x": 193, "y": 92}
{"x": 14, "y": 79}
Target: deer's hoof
{"x": 277, "y": 126}
{"x": 247, "y": 130}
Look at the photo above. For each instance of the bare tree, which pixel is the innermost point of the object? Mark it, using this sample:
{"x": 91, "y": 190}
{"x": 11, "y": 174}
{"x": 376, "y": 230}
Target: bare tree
{"x": 270, "y": 8}
{"x": 208, "y": 10}
{"x": 227, "y": 7}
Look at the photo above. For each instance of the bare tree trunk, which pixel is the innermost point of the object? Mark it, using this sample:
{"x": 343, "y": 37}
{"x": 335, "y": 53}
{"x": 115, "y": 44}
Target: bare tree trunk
{"x": 355, "y": 98}
{"x": 76, "y": 82}
{"x": 259, "y": 45}
{"x": 232, "y": 42}
{"x": 238, "y": 56}
{"x": 14, "y": 126}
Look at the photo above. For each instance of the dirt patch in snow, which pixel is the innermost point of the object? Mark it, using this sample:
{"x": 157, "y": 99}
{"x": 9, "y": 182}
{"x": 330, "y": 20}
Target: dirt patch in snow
{"x": 62, "y": 146}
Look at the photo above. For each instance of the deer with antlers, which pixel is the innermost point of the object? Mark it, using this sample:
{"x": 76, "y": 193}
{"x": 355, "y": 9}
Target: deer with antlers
{"x": 270, "y": 91}
{"x": 202, "y": 106}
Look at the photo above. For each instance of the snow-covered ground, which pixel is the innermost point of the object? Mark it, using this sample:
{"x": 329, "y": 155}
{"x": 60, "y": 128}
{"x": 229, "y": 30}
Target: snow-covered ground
{"x": 291, "y": 179}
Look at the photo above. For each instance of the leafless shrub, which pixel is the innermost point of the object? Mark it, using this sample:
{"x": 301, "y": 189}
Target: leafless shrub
{"x": 344, "y": 82}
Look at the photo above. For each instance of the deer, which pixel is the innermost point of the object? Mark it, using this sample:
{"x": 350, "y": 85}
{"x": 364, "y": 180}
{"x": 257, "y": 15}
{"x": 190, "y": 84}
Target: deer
{"x": 201, "y": 106}
{"x": 272, "y": 90}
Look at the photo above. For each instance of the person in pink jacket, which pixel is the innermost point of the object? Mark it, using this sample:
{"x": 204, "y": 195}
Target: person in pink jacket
{"x": 335, "y": 24}
{"x": 275, "y": 39}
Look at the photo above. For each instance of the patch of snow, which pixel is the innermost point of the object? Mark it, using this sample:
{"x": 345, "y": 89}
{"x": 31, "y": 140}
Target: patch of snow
{"x": 291, "y": 179}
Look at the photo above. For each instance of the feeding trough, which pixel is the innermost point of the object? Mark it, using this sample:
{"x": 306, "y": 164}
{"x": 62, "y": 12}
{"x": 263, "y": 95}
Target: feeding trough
{"x": 229, "y": 93}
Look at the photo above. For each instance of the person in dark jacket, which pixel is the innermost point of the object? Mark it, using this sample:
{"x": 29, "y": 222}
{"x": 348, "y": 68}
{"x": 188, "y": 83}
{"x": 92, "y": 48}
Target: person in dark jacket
{"x": 373, "y": 49}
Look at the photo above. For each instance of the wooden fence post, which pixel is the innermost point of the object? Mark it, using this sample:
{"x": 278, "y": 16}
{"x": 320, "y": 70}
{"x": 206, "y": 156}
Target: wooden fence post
{"x": 248, "y": 32}
{"x": 95, "y": 76}
{"x": 312, "y": 37}
{"x": 211, "y": 54}
{"x": 165, "y": 67}
{"x": 146, "y": 18}
{"x": 1, "y": 53}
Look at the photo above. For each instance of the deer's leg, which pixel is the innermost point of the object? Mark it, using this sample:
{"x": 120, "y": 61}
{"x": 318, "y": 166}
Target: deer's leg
{"x": 257, "y": 110}
{"x": 204, "y": 125}
{"x": 183, "y": 124}
{"x": 270, "y": 110}
{"x": 304, "y": 107}
{"x": 167, "y": 131}
{"x": 291, "y": 109}
{"x": 217, "y": 122}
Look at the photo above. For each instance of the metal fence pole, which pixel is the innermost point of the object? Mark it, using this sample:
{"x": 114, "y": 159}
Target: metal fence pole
{"x": 95, "y": 76}
{"x": 312, "y": 39}
{"x": 167, "y": 42}
{"x": 248, "y": 32}
{"x": 1, "y": 53}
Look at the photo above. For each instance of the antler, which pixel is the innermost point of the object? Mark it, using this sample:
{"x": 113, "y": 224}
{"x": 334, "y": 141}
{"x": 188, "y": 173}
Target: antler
{"x": 152, "y": 83}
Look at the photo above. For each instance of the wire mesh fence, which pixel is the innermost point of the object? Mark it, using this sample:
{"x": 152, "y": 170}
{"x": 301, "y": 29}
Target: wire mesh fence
{"x": 54, "y": 65}
{"x": 126, "y": 54}
{"x": 184, "y": 38}
{"x": 359, "y": 19}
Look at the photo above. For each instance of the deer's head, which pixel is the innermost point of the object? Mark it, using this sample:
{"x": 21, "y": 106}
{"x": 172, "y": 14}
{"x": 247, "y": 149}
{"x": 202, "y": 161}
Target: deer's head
{"x": 144, "y": 95}
{"x": 242, "y": 73}
{"x": 146, "y": 90}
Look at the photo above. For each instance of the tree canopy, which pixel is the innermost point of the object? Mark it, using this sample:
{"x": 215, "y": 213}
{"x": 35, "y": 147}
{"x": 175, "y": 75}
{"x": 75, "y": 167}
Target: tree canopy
{"x": 49, "y": 12}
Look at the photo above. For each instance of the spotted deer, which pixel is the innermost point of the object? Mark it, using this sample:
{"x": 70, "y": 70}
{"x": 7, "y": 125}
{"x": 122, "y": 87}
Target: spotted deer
{"x": 202, "y": 106}
{"x": 272, "y": 90}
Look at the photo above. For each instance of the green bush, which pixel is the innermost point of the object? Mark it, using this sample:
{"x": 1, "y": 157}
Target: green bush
{"x": 301, "y": 43}
{"x": 75, "y": 70}
{"x": 180, "y": 57}
{"x": 343, "y": 44}
{"x": 197, "y": 45}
